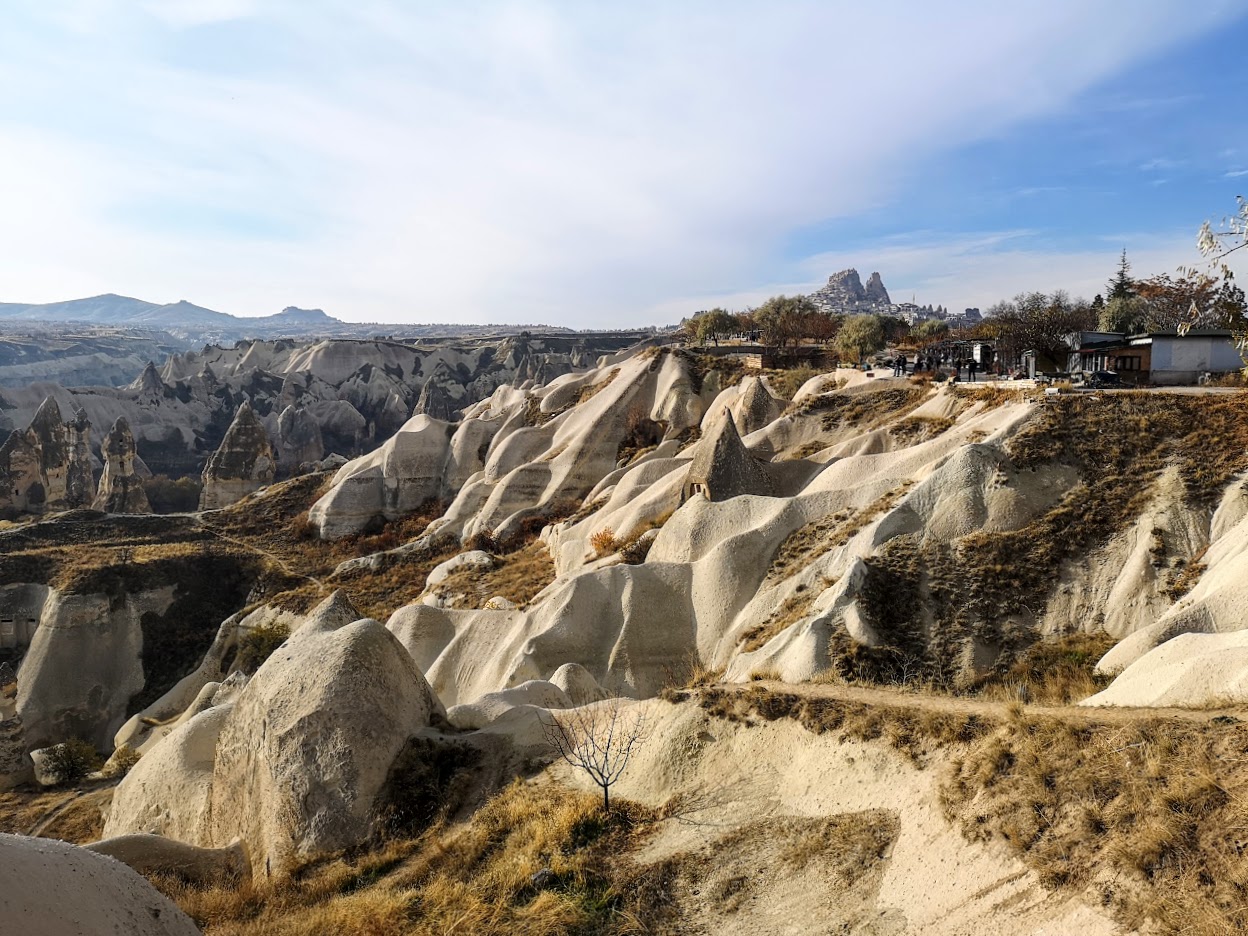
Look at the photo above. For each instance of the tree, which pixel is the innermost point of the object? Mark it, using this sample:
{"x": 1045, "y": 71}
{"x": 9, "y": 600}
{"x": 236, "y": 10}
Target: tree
{"x": 929, "y": 330}
{"x": 598, "y": 739}
{"x": 1037, "y": 322}
{"x": 714, "y": 325}
{"x": 859, "y": 336}
{"x": 1215, "y": 246}
{"x": 1127, "y": 315}
{"x": 1193, "y": 296}
{"x": 1122, "y": 286}
{"x": 780, "y": 318}
{"x": 70, "y": 761}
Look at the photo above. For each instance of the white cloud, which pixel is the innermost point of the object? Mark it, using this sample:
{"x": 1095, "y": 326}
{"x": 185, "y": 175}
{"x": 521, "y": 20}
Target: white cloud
{"x": 503, "y": 161}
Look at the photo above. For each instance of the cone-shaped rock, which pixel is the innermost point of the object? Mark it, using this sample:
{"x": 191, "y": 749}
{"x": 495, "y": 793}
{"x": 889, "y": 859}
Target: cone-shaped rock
{"x": 242, "y": 464}
{"x": 724, "y": 467}
{"x": 120, "y": 490}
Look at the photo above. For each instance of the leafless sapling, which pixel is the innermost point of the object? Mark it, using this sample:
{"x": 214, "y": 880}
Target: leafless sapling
{"x": 598, "y": 739}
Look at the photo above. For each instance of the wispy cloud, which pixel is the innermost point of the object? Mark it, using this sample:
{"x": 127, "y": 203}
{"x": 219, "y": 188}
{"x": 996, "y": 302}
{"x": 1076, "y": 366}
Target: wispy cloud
{"x": 1235, "y": 173}
{"x": 496, "y": 161}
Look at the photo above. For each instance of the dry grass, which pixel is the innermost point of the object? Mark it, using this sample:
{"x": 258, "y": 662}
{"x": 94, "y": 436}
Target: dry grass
{"x": 516, "y": 576}
{"x": 869, "y": 408}
{"x": 914, "y": 429}
{"x": 1148, "y": 816}
{"x": 1052, "y": 672}
{"x": 80, "y": 819}
{"x": 992, "y": 395}
{"x": 930, "y": 601}
{"x": 1185, "y": 578}
{"x": 786, "y": 383}
{"x": 808, "y": 542}
{"x": 478, "y": 877}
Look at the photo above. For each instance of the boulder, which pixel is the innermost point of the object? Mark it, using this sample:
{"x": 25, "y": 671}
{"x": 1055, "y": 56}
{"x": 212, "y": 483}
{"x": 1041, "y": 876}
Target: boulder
{"x": 309, "y": 743}
{"x": 52, "y": 888}
{"x": 153, "y": 854}
{"x": 242, "y": 464}
{"x": 120, "y": 489}
{"x": 169, "y": 791}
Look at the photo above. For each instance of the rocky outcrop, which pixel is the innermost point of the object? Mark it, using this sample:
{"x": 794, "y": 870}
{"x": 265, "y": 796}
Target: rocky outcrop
{"x": 52, "y": 888}
{"x": 83, "y": 666}
{"x": 48, "y": 466}
{"x": 435, "y": 402}
{"x": 845, "y": 294}
{"x": 154, "y": 854}
{"x": 723, "y": 467}
{"x": 298, "y": 439}
{"x": 307, "y": 747}
{"x": 243, "y": 463}
{"x": 120, "y": 489}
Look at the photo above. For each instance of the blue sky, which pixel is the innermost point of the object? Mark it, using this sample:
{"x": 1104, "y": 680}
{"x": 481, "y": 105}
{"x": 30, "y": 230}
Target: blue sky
{"x": 592, "y": 164}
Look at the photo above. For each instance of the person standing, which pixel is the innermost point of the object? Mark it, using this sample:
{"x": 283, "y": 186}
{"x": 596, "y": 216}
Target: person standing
{"x": 971, "y": 366}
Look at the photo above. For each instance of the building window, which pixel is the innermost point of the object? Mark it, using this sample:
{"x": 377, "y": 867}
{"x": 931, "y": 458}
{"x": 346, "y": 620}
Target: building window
{"x": 1128, "y": 363}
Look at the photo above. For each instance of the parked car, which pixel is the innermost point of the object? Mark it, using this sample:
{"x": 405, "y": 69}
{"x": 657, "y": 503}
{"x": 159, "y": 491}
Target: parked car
{"x": 1102, "y": 380}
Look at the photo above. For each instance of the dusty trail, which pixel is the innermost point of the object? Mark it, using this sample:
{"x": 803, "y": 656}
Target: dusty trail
{"x": 931, "y": 702}
{"x": 272, "y": 557}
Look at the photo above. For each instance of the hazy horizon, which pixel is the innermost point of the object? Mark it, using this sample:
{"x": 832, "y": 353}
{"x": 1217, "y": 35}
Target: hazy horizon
{"x": 568, "y": 165}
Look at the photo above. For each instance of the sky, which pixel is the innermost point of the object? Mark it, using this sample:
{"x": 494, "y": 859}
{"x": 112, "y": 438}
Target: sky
{"x": 606, "y": 165}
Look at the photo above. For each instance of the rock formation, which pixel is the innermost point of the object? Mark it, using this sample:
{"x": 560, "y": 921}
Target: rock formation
{"x": 47, "y": 467}
{"x": 845, "y": 294}
{"x": 435, "y": 401}
{"x": 52, "y": 888}
{"x": 298, "y": 439}
{"x": 723, "y": 467}
{"x": 120, "y": 489}
{"x": 243, "y": 463}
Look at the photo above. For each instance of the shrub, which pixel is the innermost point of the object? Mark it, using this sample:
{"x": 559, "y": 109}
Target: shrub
{"x": 70, "y": 761}
{"x": 258, "y": 645}
{"x": 603, "y": 541}
{"x": 122, "y": 762}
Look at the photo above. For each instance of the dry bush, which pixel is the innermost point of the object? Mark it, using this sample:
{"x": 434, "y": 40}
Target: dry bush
{"x": 534, "y": 860}
{"x": 869, "y": 408}
{"x": 603, "y": 542}
{"x": 122, "y": 762}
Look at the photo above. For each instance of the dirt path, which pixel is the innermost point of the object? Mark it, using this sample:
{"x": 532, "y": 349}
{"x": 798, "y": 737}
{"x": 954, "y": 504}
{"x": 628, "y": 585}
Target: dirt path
{"x": 272, "y": 557}
{"x": 74, "y": 799}
{"x": 932, "y": 702}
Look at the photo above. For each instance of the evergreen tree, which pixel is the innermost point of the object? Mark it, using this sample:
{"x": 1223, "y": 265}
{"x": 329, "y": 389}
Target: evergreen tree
{"x": 1122, "y": 286}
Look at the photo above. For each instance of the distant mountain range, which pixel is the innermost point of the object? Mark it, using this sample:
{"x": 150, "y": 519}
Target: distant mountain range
{"x": 193, "y": 324}
{"x": 111, "y": 309}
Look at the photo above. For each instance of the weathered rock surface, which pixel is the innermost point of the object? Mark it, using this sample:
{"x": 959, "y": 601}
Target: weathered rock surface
{"x": 299, "y": 438}
{"x": 120, "y": 489}
{"x": 310, "y": 741}
{"x": 48, "y": 466}
{"x": 243, "y": 464}
{"x": 83, "y": 666}
{"x": 55, "y": 889}
{"x": 154, "y": 854}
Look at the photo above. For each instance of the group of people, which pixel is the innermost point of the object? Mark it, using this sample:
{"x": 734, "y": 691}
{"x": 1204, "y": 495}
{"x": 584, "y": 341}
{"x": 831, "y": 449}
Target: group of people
{"x": 924, "y": 363}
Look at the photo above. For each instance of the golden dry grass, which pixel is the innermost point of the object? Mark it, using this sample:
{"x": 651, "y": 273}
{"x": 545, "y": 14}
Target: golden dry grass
{"x": 477, "y": 877}
{"x": 1148, "y": 818}
{"x": 516, "y": 576}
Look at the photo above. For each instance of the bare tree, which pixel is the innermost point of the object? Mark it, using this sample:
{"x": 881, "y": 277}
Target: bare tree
{"x": 598, "y": 739}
